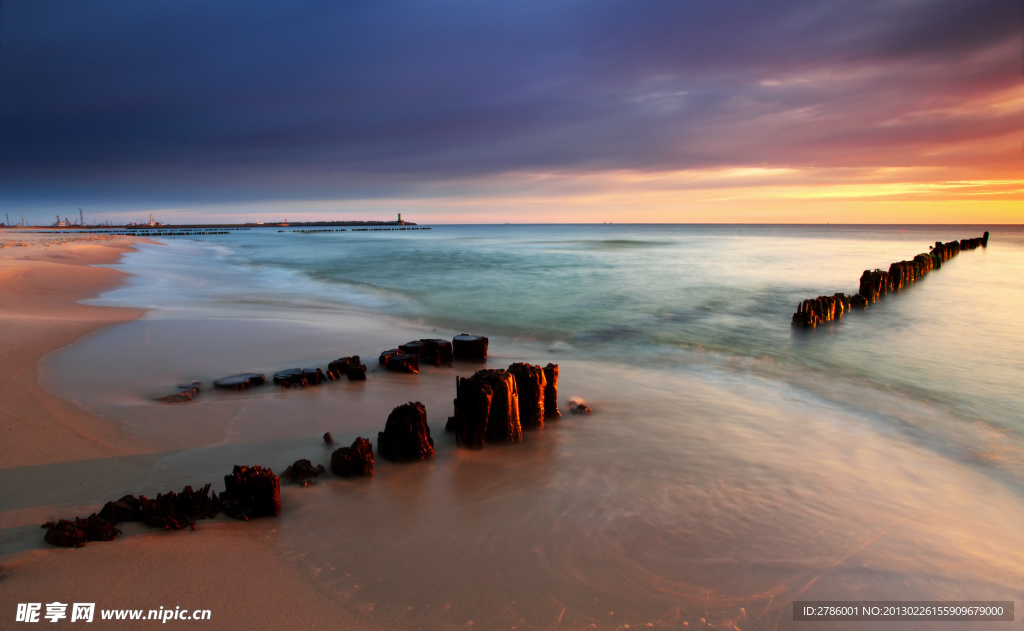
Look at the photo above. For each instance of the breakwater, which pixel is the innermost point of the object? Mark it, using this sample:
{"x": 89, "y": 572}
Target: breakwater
{"x": 876, "y": 283}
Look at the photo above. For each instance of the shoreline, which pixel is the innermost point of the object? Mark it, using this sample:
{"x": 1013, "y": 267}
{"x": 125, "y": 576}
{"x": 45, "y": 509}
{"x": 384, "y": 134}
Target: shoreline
{"x": 56, "y": 455}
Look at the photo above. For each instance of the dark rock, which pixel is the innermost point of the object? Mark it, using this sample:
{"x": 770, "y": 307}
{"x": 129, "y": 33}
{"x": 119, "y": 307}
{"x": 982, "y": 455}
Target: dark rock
{"x": 243, "y": 381}
{"x": 174, "y": 511}
{"x": 430, "y": 351}
{"x": 74, "y": 534}
{"x": 350, "y": 367}
{"x": 580, "y": 408}
{"x": 328, "y": 439}
{"x": 290, "y": 377}
{"x": 470, "y": 347}
{"x": 398, "y": 361}
{"x": 472, "y": 408}
{"x": 128, "y": 508}
{"x": 313, "y": 376}
{"x": 251, "y": 492}
{"x": 185, "y": 393}
{"x": 503, "y": 415}
{"x": 551, "y": 392}
{"x": 303, "y": 472}
{"x": 354, "y": 461}
{"x": 388, "y": 353}
{"x": 530, "y": 386}
{"x": 406, "y": 435}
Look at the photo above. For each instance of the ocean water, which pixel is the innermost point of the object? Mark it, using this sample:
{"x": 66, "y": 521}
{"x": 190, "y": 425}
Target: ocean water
{"x": 733, "y": 463}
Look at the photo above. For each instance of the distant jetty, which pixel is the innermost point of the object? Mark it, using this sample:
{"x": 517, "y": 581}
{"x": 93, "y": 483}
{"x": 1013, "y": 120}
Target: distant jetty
{"x": 195, "y": 230}
{"x": 875, "y": 284}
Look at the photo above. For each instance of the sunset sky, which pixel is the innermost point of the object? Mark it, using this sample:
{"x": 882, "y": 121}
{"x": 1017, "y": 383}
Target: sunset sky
{"x": 842, "y": 111}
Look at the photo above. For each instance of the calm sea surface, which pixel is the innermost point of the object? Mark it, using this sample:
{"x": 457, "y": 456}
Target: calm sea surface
{"x": 734, "y": 463}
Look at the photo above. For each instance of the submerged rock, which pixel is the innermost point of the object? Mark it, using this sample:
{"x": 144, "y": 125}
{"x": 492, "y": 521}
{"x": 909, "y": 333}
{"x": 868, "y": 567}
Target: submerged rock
{"x": 579, "y": 406}
{"x": 186, "y": 392}
{"x": 303, "y": 472}
{"x": 328, "y": 439}
{"x": 241, "y": 381}
{"x": 354, "y": 461}
{"x": 406, "y": 435}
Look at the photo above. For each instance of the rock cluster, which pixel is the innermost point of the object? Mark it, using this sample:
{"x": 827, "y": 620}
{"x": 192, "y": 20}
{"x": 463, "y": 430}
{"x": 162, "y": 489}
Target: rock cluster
{"x": 876, "y": 283}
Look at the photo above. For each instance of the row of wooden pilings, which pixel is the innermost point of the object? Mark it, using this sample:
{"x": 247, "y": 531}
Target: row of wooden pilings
{"x": 876, "y": 283}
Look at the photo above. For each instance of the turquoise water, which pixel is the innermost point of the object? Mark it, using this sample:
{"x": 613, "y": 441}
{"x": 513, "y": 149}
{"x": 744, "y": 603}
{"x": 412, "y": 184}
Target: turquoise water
{"x": 697, "y": 298}
{"x": 734, "y": 462}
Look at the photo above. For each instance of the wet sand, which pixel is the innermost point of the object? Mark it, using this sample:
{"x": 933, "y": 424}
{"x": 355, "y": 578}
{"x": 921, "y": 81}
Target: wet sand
{"x": 58, "y": 460}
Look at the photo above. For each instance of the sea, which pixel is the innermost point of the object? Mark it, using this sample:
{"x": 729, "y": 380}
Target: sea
{"x": 732, "y": 466}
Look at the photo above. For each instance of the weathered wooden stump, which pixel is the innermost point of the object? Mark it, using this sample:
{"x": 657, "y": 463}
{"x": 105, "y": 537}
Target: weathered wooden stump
{"x": 406, "y": 435}
{"x": 351, "y": 367}
{"x": 128, "y": 508}
{"x": 251, "y": 492}
{"x": 175, "y": 511}
{"x": 186, "y": 392}
{"x": 551, "y": 392}
{"x": 354, "y": 461}
{"x": 503, "y": 417}
{"x": 75, "y": 533}
{"x": 473, "y": 398}
{"x": 297, "y": 377}
{"x": 243, "y": 381}
{"x": 470, "y": 347}
{"x": 303, "y": 472}
{"x": 430, "y": 351}
{"x": 530, "y": 386}
{"x": 397, "y": 361}
{"x": 313, "y": 376}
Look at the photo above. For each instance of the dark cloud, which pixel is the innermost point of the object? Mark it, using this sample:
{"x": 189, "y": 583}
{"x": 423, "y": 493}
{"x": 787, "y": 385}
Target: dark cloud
{"x": 196, "y": 100}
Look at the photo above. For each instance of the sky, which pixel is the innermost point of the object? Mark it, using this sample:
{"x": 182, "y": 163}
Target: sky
{"x": 459, "y": 111}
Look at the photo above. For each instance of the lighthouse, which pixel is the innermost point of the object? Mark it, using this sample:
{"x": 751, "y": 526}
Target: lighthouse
{"x": 399, "y": 222}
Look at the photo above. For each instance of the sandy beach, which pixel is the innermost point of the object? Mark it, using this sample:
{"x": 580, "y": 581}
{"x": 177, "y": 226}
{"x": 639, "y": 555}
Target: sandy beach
{"x": 55, "y": 456}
